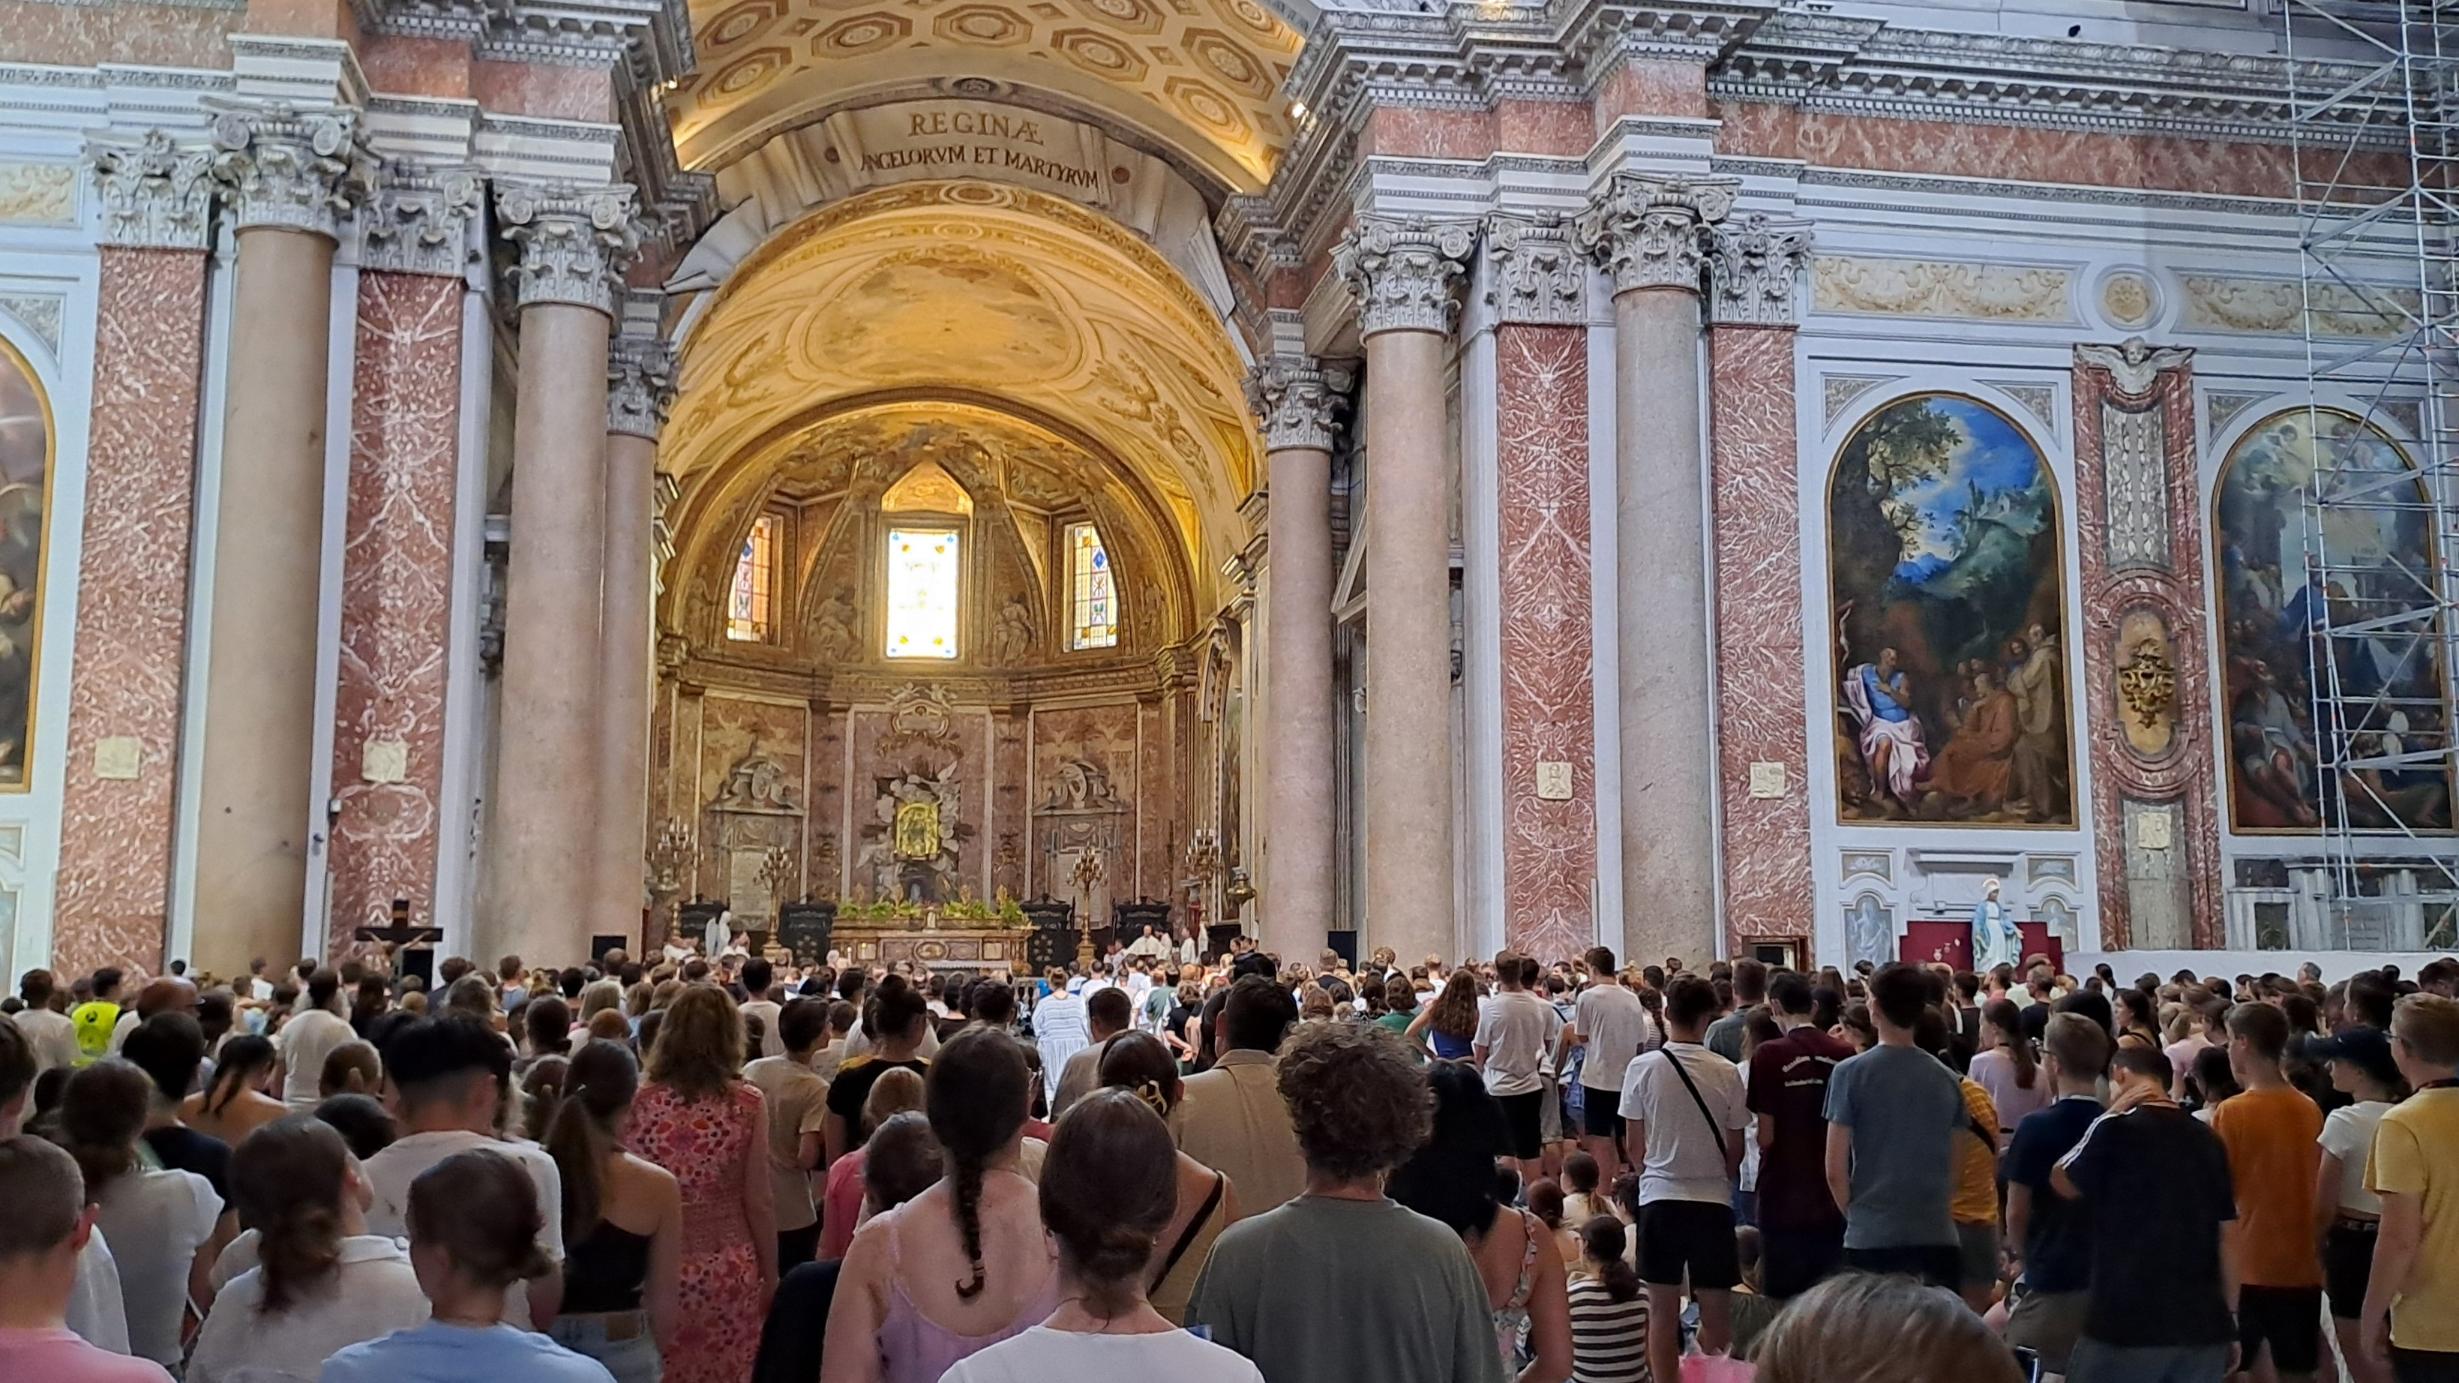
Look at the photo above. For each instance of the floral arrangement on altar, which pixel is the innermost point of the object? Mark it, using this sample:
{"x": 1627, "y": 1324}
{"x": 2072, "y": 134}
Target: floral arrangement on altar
{"x": 1002, "y": 909}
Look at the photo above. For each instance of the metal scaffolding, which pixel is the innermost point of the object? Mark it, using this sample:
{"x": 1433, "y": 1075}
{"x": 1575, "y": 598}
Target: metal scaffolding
{"x": 2380, "y": 601}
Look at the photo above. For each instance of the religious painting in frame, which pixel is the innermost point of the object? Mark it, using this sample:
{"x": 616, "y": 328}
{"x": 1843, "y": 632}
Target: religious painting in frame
{"x": 26, "y": 443}
{"x": 1947, "y": 611}
{"x": 2380, "y": 554}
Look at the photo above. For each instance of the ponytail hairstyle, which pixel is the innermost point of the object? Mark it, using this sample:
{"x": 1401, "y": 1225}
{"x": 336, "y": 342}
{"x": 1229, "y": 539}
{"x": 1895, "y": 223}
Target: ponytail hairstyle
{"x": 102, "y": 1112}
{"x": 1602, "y": 1239}
{"x": 479, "y": 1209}
{"x": 975, "y": 1097}
{"x": 1108, "y": 1189}
{"x": 289, "y": 1178}
{"x": 2009, "y": 1021}
{"x": 1137, "y": 1062}
{"x": 244, "y": 1060}
{"x": 599, "y": 1083}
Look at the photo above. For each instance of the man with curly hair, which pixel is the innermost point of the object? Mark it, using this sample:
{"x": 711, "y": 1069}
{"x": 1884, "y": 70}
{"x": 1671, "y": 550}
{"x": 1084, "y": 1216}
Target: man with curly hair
{"x": 1342, "y": 1282}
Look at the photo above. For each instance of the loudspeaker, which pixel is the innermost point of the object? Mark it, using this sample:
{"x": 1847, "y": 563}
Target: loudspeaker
{"x": 602, "y": 942}
{"x": 1344, "y": 943}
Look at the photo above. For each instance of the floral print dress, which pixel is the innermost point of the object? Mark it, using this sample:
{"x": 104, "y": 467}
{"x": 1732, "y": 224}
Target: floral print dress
{"x": 705, "y": 1143}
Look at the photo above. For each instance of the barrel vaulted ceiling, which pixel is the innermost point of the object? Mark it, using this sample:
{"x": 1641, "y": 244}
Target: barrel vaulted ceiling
{"x": 1201, "y": 76}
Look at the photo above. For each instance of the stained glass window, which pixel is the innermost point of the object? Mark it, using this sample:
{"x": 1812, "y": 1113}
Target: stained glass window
{"x": 922, "y": 592}
{"x": 1093, "y": 597}
{"x": 749, "y": 603}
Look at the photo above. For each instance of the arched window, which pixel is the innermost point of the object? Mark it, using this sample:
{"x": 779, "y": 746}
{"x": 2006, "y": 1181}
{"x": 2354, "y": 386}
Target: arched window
{"x": 923, "y": 584}
{"x": 751, "y": 603}
{"x": 1092, "y": 595}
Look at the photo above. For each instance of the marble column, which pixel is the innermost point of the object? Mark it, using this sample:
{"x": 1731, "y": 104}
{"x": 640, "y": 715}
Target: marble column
{"x": 1754, "y": 490}
{"x": 397, "y": 559}
{"x": 542, "y": 839}
{"x": 119, "y": 803}
{"x": 1296, "y": 403}
{"x": 292, "y": 175}
{"x": 639, "y": 390}
{"x": 1651, "y": 236}
{"x": 1405, "y": 276}
{"x": 1536, "y": 292}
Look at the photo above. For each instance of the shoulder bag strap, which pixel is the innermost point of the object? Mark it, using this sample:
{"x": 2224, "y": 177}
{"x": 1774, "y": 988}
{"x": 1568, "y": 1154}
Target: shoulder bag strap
{"x": 1697, "y": 1099}
{"x": 1186, "y": 1237}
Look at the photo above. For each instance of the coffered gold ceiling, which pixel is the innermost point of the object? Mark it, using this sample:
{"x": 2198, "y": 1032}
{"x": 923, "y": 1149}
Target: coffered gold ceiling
{"x": 987, "y": 295}
{"x": 1202, "y": 76}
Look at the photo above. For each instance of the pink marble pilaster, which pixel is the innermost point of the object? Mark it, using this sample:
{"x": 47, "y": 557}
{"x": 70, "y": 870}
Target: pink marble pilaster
{"x": 396, "y": 598}
{"x": 112, "y": 896}
{"x": 2165, "y": 580}
{"x": 1759, "y": 650}
{"x": 1549, "y": 703}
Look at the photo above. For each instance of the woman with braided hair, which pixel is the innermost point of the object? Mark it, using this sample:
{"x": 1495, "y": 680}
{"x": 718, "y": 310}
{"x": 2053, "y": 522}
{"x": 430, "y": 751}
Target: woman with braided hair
{"x": 965, "y": 1264}
{"x": 1109, "y": 1190}
{"x": 1137, "y": 1063}
{"x": 321, "y": 1281}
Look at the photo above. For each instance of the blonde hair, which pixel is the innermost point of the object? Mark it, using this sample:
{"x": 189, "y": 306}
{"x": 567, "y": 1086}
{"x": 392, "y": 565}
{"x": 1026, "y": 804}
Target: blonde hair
{"x": 699, "y": 1047}
{"x": 1867, "y": 1328}
{"x": 2429, "y": 1024}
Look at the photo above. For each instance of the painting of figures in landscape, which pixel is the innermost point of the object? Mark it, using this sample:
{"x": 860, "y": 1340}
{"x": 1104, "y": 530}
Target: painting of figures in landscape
{"x": 25, "y": 464}
{"x": 2389, "y": 678}
{"x": 1944, "y": 588}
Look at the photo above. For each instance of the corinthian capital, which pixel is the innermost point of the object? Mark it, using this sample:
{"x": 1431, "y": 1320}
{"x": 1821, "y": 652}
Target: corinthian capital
{"x": 1652, "y": 232}
{"x": 156, "y": 194}
{"x": 293, "y": 169}
{"x": 418, "y": 222}
{"x": 640, "y": 386}
{"x": 1405, "y": 273}
{"x": 575, "y": 242}
{"x": 1757, "y": 265}
{"x": 1534, "y": 274}
{"x": 1296, "y": 401}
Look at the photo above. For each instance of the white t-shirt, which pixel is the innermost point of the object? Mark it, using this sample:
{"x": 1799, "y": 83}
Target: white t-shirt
{"x": 375, "y": 1295}
{"x": 1040, "y": 1354}
{"x": 303, "y": 1043}
{"x": 772, "y": 1042}
{"x": 390, "y": 1172}
{"x": 1516, "y": 1029}
{"x": 2349, "y": 1135}
{"x": 156, "y": 1222}
{"x": 53, "y": 1036}
{"x": 1681, "y": 1161}
{"x": 1616, "y": 1027}
{"x": 96, "y": 1311}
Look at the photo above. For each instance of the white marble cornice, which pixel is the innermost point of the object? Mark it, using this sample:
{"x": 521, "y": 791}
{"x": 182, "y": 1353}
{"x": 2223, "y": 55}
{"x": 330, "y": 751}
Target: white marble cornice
{"x": 419, "y": 221}
{"x": 640, "y": 386}
{"x": 293, "y": 168}
{"x": 1535, "y": 273}
{"x": 1653, "y": 232}
{"x": 156, "y": 193}
{"x": 575, "y": 242}
{"x": 1755, "y": 270}
{"x": 1297, "y": 402}
{"x": 1404, "y": 275}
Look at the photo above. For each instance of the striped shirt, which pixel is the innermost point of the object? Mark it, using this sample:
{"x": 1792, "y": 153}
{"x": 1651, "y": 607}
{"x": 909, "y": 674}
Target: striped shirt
{"x": 1609, "y": 1338}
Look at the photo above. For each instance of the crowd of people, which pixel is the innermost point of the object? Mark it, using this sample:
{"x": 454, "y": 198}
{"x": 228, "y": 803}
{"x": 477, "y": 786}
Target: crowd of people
{"x": 727, "y": 1169}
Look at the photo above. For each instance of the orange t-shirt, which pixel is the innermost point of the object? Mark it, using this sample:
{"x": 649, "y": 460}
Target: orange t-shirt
{"x": 2270, "y": 1137}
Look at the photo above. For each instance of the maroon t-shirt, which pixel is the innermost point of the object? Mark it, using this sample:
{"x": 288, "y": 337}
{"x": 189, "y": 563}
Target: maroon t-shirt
{"x": 1788, "y": 1079}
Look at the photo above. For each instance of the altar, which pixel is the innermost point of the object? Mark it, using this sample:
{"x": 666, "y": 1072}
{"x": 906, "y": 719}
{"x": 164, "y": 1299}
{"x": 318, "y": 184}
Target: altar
{"x": 897, "y": 934}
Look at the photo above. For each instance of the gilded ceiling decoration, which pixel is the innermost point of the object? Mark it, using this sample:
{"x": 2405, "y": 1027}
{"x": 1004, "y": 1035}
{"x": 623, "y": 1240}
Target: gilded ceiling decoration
{"x": 979, "y": 294}
{"x": 1203, "y": 76}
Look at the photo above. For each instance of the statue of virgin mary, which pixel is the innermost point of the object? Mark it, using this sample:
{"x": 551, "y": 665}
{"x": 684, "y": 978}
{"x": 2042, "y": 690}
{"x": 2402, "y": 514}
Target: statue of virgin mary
{"x": 1995, "y": 939}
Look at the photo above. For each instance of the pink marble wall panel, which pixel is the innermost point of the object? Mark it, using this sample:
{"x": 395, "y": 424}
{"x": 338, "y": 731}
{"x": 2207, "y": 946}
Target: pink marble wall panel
{"x": 1758, "y": 539}
{"x": 112, "y": 889}
{"x": 1012, "y": 843}
{"x": 150, "y": 35}
{"x": 1408, "y": 132}
{"x": 825, "y": 835}
{"x": 1549, "y": 705}
{"x": 438, "y": 68}
{"x": 880, "y": 753}
{"x": 1653, "y": 88}
{"x": 1153, "y": 844}
{"x": 2184, "y": 773}
{"x": 542, "y": 90}
{"x": 2018, "y": 154}
{"x": 396, "y": 601}
{"x": 1106, "y": 737}
{"x": 1563, "y": 129}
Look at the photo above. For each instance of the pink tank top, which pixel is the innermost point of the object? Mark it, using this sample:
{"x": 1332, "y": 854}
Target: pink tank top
{"x": 916, "y": 1349}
